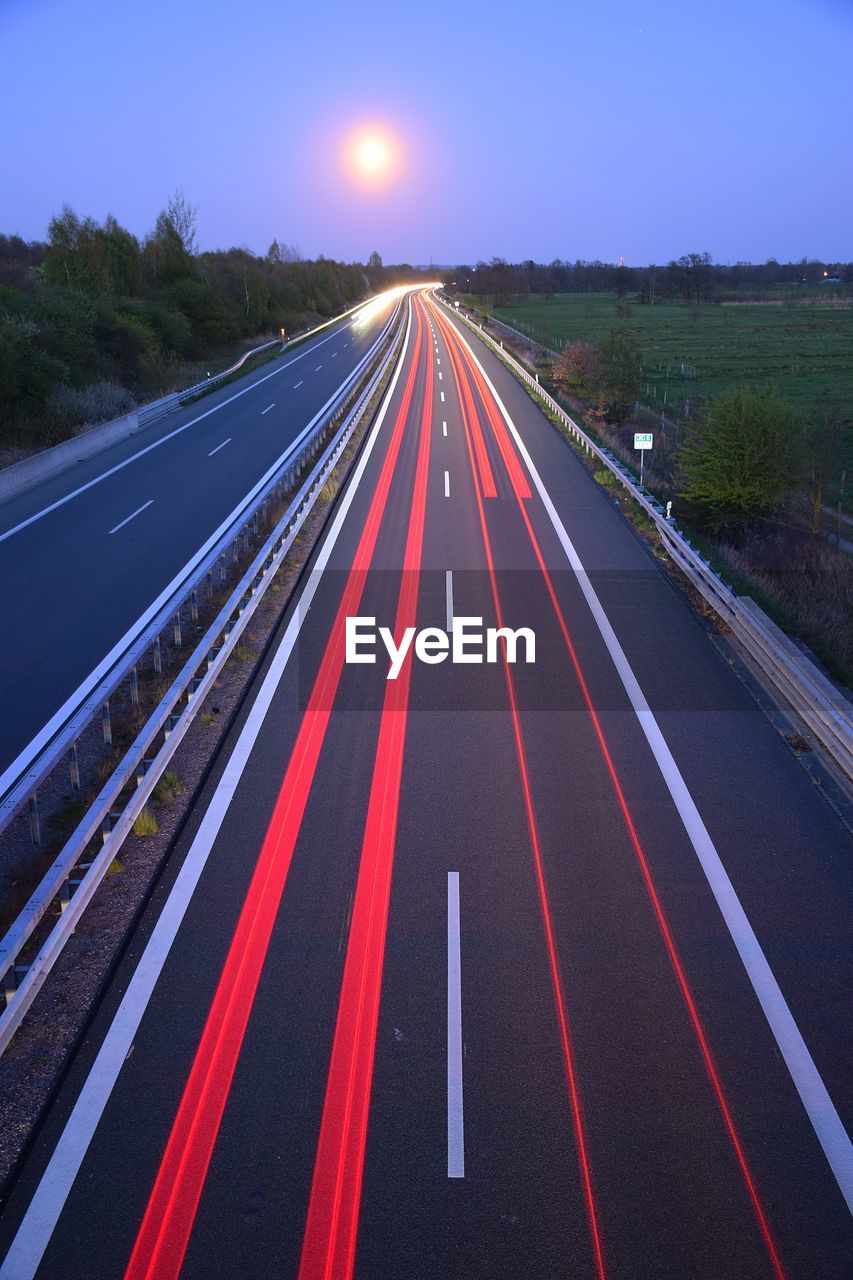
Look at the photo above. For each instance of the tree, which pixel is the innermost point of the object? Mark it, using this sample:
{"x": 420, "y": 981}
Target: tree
{"x": 822, "y": 458}
{"x": 620, "y": 372}
{"x": 741, "y": 462}
{"x": 576, "y": 366}
{"x": 374, "y": 262}
{"x": 183, "y": 218}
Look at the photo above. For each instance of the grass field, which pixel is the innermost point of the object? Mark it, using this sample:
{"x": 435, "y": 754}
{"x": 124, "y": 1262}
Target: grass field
{"x": 804, "y": 351}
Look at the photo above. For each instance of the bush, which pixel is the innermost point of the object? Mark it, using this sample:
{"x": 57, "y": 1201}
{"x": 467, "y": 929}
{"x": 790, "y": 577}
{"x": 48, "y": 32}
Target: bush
{"x": 213, "y": 323}
{"x": 127, "y": 342}
{"x": 742, "y": 461}
{"x": 71, "y": 407}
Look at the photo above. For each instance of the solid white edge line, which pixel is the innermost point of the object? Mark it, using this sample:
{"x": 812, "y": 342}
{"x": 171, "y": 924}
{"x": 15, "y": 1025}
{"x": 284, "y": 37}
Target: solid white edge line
{"x": 25, "y": 757}
{"x": 42, "y": 1215}
{"x": 447, "y": 484}
{"x": 132, "y": 516}
{"x": 825, "y": 1120}
{"x": 120, "y": 466}
{"x": 448, "y": 598}
{"x": 455, "y": 1111}
{"x": 219, "y": 446}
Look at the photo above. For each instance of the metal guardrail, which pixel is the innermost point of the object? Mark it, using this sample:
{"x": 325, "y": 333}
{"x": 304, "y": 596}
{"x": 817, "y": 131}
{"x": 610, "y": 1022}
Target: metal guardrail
{"x": 156, "y": 409}
{"x": 822, "y": 707}
{"x": 24, "y": 788}
{"x": 71, "y": 880}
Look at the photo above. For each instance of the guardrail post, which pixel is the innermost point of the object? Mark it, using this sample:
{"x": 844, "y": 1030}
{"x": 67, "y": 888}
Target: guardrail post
{"x": 134, "y": 686}
{"x": 74, "y": 767}
{"x": 35, "y": 825}
{"x": 158, "y": 656}
{"x": 106, "y": 723}
{"x": 176, "y": 630}
{"x": 194, "y": 605}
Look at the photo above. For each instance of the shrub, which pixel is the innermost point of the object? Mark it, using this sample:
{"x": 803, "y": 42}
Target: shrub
{"x": 741, "y": 462}
{"x": 71, "y": 407}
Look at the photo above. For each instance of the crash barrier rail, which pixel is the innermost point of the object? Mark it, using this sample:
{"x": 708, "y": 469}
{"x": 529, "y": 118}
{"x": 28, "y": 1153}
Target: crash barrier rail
{"x": 823, "y": 708}
{"x": 49, "y": 462}
{"x": 23, "y": 789}
{"x": 75, "y": 875}
{"x": 148, "y": 413}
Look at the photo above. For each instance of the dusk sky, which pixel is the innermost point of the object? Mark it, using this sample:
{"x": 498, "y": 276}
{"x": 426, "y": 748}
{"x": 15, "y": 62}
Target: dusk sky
{"x": 546, "y": 130}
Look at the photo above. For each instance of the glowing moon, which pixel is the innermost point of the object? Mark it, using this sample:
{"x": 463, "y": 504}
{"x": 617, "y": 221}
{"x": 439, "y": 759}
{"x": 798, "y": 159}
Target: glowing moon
{"x": 372, "y": 156}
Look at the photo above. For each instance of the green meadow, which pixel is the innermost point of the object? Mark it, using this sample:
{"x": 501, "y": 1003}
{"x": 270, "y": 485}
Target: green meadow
{"x": 803, "y": 349}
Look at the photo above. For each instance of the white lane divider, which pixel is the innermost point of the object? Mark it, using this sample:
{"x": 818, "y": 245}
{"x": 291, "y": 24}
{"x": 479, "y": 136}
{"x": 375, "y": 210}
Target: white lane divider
{"x": 296, "y": 386}
{"x": 455, "y": 1116}
{"x": 269, "y": 406}
{"x": 133, "y": 516}
{"x": 448, "y": 592}
{"x": 319, "y": 367}
{"x": 219, "y": 446}
{"x": 444, "y": 428}
{"x": 442, "y": 397}
{"x": 334, "y": 355}
{"x": 440, "y": 376}
{"x": 447, "y": 484}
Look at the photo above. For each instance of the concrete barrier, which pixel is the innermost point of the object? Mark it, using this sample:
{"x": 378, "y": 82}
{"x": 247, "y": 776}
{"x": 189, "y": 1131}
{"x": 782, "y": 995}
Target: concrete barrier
{"x": 29, "y": 471}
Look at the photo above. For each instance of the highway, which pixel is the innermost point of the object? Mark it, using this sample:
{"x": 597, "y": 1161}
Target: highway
{"x": 489, "y": 971}
{"x": 86, "y": 553}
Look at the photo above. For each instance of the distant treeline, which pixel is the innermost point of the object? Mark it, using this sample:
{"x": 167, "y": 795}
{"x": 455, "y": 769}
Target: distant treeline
{"x": 692, "y": 278}
{"x": 95, "y": 319}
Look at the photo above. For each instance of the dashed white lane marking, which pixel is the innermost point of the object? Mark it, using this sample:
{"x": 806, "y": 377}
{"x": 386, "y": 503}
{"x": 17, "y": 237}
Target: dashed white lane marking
{"x": 444, "y": 428}
{"x": 220, "y": 446}
{"x": 133, "y": 516}
{"x": 455, "y": 1116}
{"x": 296, "y": 386}
{"x": 440, "y": 376}
{"x": 319, "y": 367}
{"x": 447, "y": 484}
{"x": 442, "y": 397}
{"x": 448, "y": 595}
{"x": 269, "y": 406}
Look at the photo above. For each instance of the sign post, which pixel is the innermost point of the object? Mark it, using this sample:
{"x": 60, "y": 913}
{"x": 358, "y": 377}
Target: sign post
{"x": 642, "y": 441}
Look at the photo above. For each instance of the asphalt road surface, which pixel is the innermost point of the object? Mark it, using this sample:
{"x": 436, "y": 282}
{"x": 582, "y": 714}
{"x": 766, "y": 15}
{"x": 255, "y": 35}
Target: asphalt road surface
{"x": 492, "y": 970}
{"x": 84, "y": 554}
